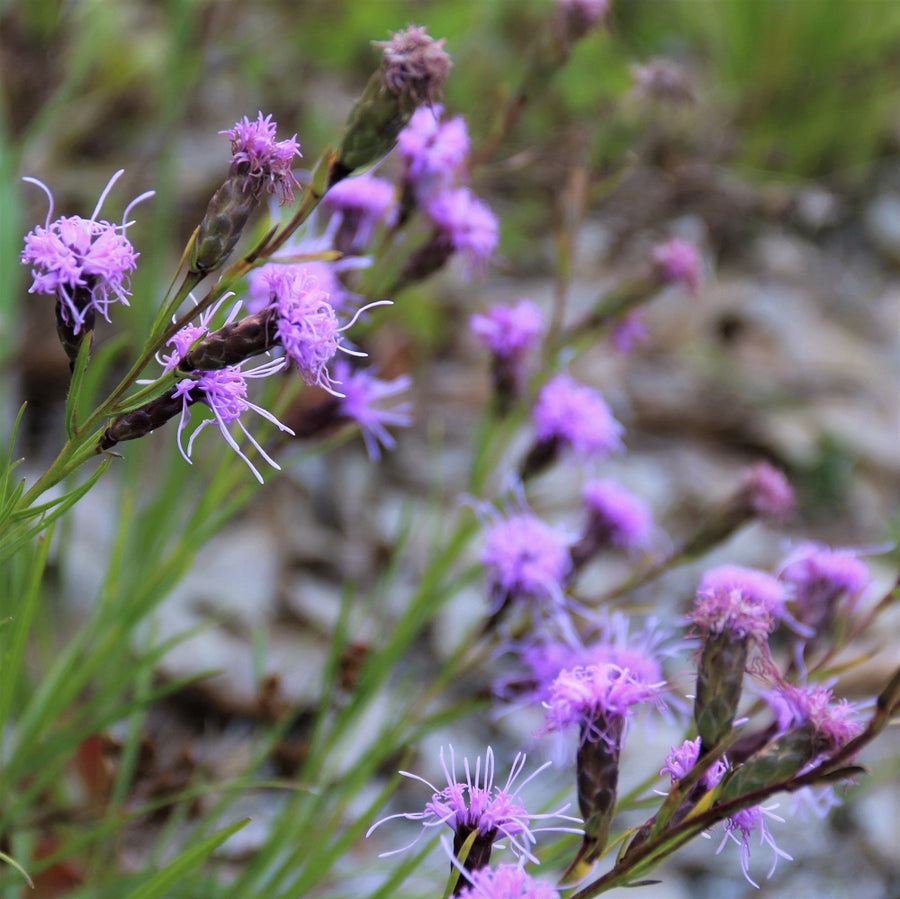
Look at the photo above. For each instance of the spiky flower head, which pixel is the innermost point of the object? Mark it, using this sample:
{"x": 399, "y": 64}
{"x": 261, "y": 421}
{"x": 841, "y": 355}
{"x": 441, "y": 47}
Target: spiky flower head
{"x": 767, "y": 491}
{"x": 739, "y": 829}
{"x": 433, "y": 151}
{"x": 738, "y": 601}
{"x": 506, "y": 882}
{"x": 360, "y": 204}
{"x": 415, "y": 65}
{"x": 682, "y": 758}
{"x": 265, "y": 161}
{"x": 576, "y": 416}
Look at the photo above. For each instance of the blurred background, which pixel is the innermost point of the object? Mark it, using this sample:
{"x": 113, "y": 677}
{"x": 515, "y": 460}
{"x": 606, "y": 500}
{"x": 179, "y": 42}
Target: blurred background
{"x": 773, "y": 143}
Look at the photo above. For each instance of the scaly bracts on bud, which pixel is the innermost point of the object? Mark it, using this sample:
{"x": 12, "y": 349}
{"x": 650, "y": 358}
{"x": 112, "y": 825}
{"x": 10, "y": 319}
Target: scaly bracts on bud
{"x": 258, "y": 163}
{"x": 413, "y": 70}
{"x": 140, "y": 422}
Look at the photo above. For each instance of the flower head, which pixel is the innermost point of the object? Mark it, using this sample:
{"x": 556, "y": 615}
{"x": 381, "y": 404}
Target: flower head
{"x": 477, "y": 804}
{"x": 580, "y": 16}
{"x": 577, "y": 416}
{"x": 466, "y": 224}
{"x": 617, "y": 516}
{"x": 525, "y": 557}
{"x": 506, "y": 882}
{"x": 361, "y": 203}
{"x": 85, "y": 263}
{"x": 267, "y": 161}
{"x": 678, "y": 262}
{"x": 433, "y": 151}
{"x": 415, "y": 65}
{"x": 509, "y": 331}
{"x": 768, "y": 491}
{"x": 742, "y": 602}
{"x": 741, "y": 826}
{"x": 363, "y": 400}
{"x": 630, "y": 332}
{"x": 682, "y": 759}
{"x": 598, "y": 698}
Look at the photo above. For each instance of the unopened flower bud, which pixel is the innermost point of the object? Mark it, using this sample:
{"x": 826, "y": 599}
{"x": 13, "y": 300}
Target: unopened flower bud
{"x": 142, "y": 421}
{"x": 234, "y": 342}
{"x": 413, "y": 71}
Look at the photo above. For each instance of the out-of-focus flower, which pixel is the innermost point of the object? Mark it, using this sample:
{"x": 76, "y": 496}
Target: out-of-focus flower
{"x": 433, "y": 151}
{"x": 678, "y": 262}
{"x": 662, "y": 79}
{"x": 465, "y": 224}
{"x": 367, "y": 401}
{"x": 616, "y": 517}
{"x": 741, "y": 826}
{"x": 415, "y": 64}
{"x": 361, "y": 204}
{"x": 767, "y": 491}
{"x": 506, "y": 882}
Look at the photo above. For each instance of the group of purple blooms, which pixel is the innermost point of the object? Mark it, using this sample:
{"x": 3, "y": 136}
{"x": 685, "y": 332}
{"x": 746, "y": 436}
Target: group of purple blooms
{"x": 587, "y": 671}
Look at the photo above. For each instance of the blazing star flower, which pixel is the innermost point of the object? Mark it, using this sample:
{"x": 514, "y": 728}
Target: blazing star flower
{"x": 616, "y": 516}
{"x": 741, "y": 826}
{"x": 526, "y": 558}
{"x": 599, "y": 699}
{"x": 768, "y": 491}
{"x": 683, "y": 758}
{"x": 822, "y": 579}
{"x": 506, "y": 882}
{"x": 576, "y": 416}
{"x": 256, "y": 153}
{"x": 359, "y": 204}
{"x": 415, "y": 64}
{"x": 363, "y": 401}
{"x": 465, "y": 224}
{"x": 509, "y": 331}
{"x": 742, "y": 602}
{"x": 85, "y": 263}
{"x": 478, "y": 805}
{"x": 630, "y": 332}
{"x": 678, "y": 262}
{"x": 433, "y": 152}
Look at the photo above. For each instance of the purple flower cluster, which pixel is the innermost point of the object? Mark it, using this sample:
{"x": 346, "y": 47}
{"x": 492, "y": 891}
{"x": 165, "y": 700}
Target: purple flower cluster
{"x": 678, "y": 262}
{"x": 85, "y": 263}
{"x": 506, "y": 882}
{"x": 616, "y": 516}
{"x": 433, "y": 151}
{"x": 466, "y": 224}
{"x": 359, "y": 205}
{"x": 258, "y": 155}
{"x": 509, "y": 331}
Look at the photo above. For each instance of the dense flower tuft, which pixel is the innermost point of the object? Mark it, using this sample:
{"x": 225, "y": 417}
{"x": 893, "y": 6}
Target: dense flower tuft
{"x": 433, "y": 151}
{"x": 415, "y": 64}
{"x": 506, "y": 882}
{"x": 742, "y": 602}
{"x": 833, "y": 723}
{"x": 577, "y": 416}
{"x": 509, "y": 331}
{"x": 361, "y": 203}
{"x": 617, "y": 516}
{"x": 267, "y": 161}
{"x": 678, "y": 262}
{"x": 768, "y": 491}
{"x": 466, "y": 224}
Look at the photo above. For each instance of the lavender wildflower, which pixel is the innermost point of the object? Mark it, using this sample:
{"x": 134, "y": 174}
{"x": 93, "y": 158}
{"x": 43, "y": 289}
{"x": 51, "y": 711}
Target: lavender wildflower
{"x": 359, "y": 204}
{"x": 682, "y": 759}
{"x": 678, "y": 262}
{"x": 363, "y": 401}
{"x": 465, "y": 225}
{"x": 630, "y": 332}
{"x": 570, "y": 415}
{"x": 767, "y": 491}
{"x": 258, "y": 163}
{"x": 599, "y": 699}
{"x": 616, "y": 517}
{"x": 741, "y": 826}
{"x": 735, "y": 610}
{"x": 511, "y": 332}
{"x": 85, "y": 263}
{"x": 413, "y": 71}
{"x": 506, "y": 882}
{"x": 478, "y": 805}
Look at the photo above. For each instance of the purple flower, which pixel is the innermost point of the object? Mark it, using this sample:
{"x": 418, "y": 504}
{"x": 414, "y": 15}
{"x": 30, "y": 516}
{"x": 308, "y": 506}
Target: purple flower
{"x": 576, "y": 416}
{"x": 415, "y": 65}
{"x": 683, "y": 758}
{"x": 466, "y": 224}
{"x": 434, "y": 152}
{"x": 741, "y": 826}
{"x": 265, "y": 160}
{"x": 85, "y": 263}
{"x": 506, "y": 882}
{"x": 678, "y": 262}
{"x": 509, "y": 331}
{"x": 742, "y": 602}
{"x": 768, "y": 491}
{"x": 630, "y": 332}
{"x": 525, "y": 557}
{"x": 360, "y": 204}
{"x": 582, "y": 15}
{"x": 616, "y": 516}
{"x": 599, "y": 699}
{"x": 477, "y": 804}
{"x": 363, "y": 401}
{"x": 822, "y": 578}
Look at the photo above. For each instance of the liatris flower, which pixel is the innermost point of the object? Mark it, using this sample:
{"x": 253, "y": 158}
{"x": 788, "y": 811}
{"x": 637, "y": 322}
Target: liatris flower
{"x": 463, "y": 224}
{"x": 735, "y": 610}
{"x": 258, "y": 163}
{"x": 767, "y": 491}
{"x": 360, "y": 204}
{"x": 434, "y": 155}
{"x": 738, "y": 827}
{"x": 823, "y": 579}
{"x": 741, "y": 826}
{"x": 511, "y": 332}
{"x": 364, "y": 401}
{"x": 570, "y": 415}
{"x": 477, "y": 805}
{"x": 413, "y": 72}
{"x": 526, "y": 559}
{"x": 85, "y": 263}
{"x": 506, "y": 882}
{"x": 630, "y": 332}
{"x": 678, "y": 262}
{"x": 616, "y": 517}
{"x": 599, "y": 699}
